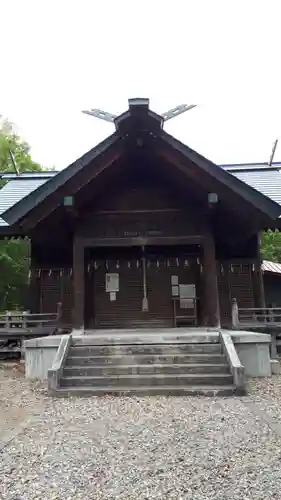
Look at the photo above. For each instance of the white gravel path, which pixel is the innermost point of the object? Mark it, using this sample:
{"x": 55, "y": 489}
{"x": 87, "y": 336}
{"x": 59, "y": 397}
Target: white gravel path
{"x": 142, "y": 448}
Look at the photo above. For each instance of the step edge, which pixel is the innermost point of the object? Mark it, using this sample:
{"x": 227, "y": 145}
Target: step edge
{"x": 155, "y": 375}
{"x": 207, "y": 355}
{"x": 133, "y": 391}
{"x": 156, "y": 365}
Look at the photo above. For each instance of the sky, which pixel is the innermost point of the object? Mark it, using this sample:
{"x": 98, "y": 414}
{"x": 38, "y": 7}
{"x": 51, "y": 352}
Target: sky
{"x": 60, "y": 57}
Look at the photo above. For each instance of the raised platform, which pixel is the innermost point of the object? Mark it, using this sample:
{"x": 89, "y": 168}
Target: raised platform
{"x": 252, "y": 348}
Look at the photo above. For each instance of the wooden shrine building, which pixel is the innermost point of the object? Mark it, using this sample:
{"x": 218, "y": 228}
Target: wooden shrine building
{"x": 142, "y": 231}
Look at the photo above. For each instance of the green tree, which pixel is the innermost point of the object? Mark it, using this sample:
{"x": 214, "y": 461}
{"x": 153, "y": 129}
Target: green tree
{"x": 14, "y": 254}
{"x": 10, "y": 142}
{"x": 14, "y": 269}
{"x": 271, "y": 245}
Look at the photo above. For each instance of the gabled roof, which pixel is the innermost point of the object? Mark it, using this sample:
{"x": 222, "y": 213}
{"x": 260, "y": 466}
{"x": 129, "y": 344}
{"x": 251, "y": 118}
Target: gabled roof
{"x": 39, "y": 194}
{"x": 255, "y": 197}
{"x": 139, "y": 117}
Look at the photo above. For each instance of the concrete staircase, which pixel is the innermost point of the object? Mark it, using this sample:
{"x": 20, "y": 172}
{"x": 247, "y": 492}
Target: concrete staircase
{"x": 167, "y": 368}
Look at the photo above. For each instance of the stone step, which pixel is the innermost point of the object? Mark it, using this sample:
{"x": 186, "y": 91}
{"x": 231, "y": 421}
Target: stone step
{"x": 148, "y": 336}
{"x": 149, "y": 390}
{"x": 151, "y": 369}
{"x": 146, "y": 359}
{"x": 156, "y": 349}
{"x": 147, "y": 380}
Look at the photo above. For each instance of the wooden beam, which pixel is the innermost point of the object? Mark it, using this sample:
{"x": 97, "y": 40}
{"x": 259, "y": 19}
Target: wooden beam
{"x": 78, "y": 283}
{"x": 140, "y": 241}
{"x": 211, "y": 311}
{"x": 139, "y": 211}
{"x": 257, "y": 276}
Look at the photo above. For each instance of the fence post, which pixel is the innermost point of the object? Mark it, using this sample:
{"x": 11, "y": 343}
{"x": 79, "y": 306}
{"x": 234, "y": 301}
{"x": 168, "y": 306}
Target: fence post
{"x": 235, "y": 314}
{"x": 273, "y": 346}
{"x": 24, "y": 319}
{"x": 8, "y": 319}
{"x": 59, "y": 312}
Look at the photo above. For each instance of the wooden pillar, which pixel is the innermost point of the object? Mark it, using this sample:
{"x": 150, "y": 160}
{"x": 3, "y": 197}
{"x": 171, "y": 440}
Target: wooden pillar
{"x": 258, "y": 286}
{"x": 211, "y": 310}
{"x": 259, "y": 295}
{"x": 78, "y": 284}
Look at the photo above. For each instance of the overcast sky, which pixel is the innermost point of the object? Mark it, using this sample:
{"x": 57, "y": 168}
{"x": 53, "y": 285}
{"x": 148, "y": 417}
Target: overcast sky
{"x": 59, "y": 57}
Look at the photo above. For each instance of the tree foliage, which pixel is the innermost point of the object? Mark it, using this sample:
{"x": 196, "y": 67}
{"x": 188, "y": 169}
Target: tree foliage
{"x": 14, "y": 268}
{"x": 11, "y": 142}
{"x": 14, "y": 254}
{"x": 271, "y": 245}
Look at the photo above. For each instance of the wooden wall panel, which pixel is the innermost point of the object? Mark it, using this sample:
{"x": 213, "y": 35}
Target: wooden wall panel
{"x": 126, "y": 311}
{"x": 235, "y": 281}
{"x": 53, "y": 286}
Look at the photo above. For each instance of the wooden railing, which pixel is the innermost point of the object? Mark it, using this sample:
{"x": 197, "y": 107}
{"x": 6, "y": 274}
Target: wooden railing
{"x": 16, "y": 327}
{"x": 255, "y": 317}
{"x": 263, "y": 319}
{"x": 23, "y": 320}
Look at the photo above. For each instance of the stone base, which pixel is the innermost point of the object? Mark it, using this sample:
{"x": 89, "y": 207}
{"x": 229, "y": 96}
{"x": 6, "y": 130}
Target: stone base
{"x": 252, "y": 348}
{"x": 253, "y": 351}
{"x": 275, "y": 367}
{"x": 77, "y": 333}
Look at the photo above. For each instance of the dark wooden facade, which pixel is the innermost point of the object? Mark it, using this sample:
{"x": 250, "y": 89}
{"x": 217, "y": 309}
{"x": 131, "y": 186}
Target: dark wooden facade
{"x": 144, "y": 209}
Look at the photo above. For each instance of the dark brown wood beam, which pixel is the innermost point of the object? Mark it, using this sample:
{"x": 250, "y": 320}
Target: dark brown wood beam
{"x": 78, "y": 284}
{"x": 139, "y": 241}
{"x": 144, "y": 211}
{"x": 257, "y": 277}
{"x": 211, "y": 311}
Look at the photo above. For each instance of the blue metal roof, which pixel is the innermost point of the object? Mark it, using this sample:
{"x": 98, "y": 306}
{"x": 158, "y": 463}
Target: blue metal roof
{"x": 265, "y": 179}
{"x": 251, "y": 166}
{"x": 28, "y": 175}
{"x": 18, "y": 187}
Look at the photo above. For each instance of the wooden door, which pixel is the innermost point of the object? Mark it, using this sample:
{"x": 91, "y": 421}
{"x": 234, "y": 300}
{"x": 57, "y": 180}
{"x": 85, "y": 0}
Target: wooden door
{"x": 121, "y": 308}
{"x": 164, "y": 278}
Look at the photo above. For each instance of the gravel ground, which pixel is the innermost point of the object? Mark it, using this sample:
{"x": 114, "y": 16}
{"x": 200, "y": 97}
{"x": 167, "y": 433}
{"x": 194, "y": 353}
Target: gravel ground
{"x": 139, "y": 448}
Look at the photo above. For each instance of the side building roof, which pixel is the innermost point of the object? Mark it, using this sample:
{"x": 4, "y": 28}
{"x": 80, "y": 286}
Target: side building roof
{"x": 265, "y": 179}
{"x": 18, "y": 187}
{"x": 271, "y": 267}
